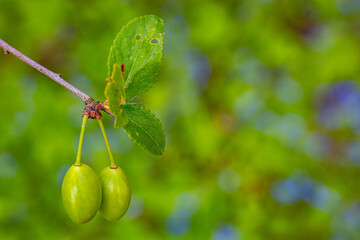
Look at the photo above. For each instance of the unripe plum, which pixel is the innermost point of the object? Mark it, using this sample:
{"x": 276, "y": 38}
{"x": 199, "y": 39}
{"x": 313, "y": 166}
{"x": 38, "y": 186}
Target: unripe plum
{"x": 116, "y": 193}
{"x": 81, "y": 193}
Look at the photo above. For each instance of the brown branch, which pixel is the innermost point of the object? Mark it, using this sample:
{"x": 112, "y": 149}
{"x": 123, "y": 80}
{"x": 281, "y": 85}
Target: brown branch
{"x": 54, "y": 76}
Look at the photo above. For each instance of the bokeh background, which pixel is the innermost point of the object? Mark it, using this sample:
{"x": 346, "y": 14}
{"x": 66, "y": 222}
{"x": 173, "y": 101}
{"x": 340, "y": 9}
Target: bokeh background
{"x": 260, "y": 102}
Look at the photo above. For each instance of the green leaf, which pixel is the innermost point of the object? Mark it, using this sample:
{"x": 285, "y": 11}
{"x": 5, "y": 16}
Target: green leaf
{"x": 145, "y": 129}
{"x": 139, "y": 47}
{"x": 115, "y": 95}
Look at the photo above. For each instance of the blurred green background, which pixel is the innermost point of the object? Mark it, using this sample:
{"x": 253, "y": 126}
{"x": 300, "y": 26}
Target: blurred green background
{"x": 260, "y": 102}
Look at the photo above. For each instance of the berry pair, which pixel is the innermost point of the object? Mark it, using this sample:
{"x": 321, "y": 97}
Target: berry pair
{"x": 84, "y": 193}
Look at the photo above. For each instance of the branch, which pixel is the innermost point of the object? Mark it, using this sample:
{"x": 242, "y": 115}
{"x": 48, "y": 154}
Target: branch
{"x": 54, "y": 76}
{"x": 89, "y": 102}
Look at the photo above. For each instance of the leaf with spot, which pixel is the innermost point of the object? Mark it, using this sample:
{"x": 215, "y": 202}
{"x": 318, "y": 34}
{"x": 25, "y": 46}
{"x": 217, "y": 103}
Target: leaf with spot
{"x": 139, "y": 47}
{"x": 145, "y": 129}
{"x": 115, "y": 95}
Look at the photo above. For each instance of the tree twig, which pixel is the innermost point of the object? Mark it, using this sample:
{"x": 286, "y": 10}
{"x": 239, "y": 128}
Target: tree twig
{"x": 54, "y": 76}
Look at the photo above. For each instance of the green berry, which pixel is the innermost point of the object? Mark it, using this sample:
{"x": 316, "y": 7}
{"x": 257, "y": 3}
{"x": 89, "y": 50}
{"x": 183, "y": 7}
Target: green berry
{"x": 81, "y": 193}
{"x": 116, "y": 193}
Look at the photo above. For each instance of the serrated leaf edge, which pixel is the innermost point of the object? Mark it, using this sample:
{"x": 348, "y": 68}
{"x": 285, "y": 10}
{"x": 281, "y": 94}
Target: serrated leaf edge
{"x": 119, "y": 34}
{"x": 162, "y": 148}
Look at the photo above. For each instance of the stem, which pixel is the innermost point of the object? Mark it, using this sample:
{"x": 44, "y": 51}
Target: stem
{"x": 112, "y": 162}
{"x": 54, "y": 76}
{"x": 78, "y": 157}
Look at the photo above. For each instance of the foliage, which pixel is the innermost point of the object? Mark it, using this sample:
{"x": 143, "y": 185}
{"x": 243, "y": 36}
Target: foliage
{"x": 115, "y": 95}
{"x": 144, "y": 128}
{"x": 139, "y": 47}
{"x": 134, "y": 63}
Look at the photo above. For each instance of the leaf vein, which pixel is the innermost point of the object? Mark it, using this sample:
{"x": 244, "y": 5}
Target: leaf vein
{"x": 159, "y": 147}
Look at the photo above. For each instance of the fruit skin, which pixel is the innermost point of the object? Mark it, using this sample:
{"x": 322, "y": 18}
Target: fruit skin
{"x": 116, "y": 193}
{"x": 81, "y": 193}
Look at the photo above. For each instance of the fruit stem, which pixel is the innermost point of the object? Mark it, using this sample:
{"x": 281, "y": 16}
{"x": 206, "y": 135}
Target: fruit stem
{"x": 83, "y": 125}
{"x": 112, "y": 162}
